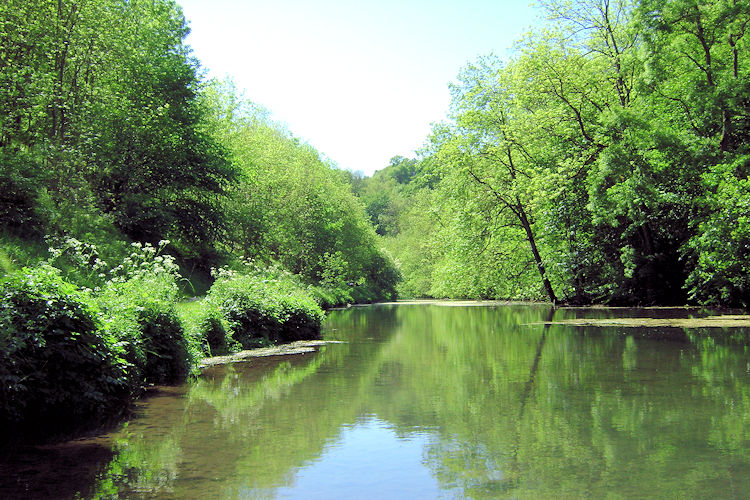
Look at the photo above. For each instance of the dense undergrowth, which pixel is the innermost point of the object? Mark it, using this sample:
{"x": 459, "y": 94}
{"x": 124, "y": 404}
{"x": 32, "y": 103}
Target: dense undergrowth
{"x": 80, "y": 339}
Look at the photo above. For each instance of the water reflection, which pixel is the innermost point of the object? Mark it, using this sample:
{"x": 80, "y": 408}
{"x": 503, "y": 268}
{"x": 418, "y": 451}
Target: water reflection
{"x": 430, "y": 401}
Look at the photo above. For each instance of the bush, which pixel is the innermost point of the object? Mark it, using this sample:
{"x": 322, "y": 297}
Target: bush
{"x": 163, "y": 337}
{"x": 140, "y": 312}
{"x": 216, "y": 332}
{"x": 342, "y": 295}
{"x": 58, "y": 368}
{"x": 208, "y": 327}
{"x": 328, "y": 297}
{"x": 265, "y": 305}
{"x": 138, "y": 304}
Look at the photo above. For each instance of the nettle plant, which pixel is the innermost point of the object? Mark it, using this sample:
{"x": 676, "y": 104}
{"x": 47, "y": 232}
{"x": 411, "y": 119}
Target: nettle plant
{"x": 58, "y": 366}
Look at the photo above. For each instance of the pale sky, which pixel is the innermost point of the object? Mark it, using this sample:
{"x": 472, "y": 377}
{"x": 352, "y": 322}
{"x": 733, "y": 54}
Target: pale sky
{"x": 361, "y": 81}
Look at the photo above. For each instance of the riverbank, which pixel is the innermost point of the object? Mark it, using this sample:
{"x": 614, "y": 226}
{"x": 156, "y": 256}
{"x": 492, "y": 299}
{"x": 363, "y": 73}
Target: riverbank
{"x": 72, "y": 358}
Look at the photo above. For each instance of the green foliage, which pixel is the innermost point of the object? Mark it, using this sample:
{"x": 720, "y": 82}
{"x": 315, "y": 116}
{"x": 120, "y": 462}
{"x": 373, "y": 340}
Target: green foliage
{"x": 330, "y": 297}
{"x": 101, "y": 125}
{"x": 209, "y": 327}
{"x": 291, "y": 206}
{"x": 415, "y": 248}
{"x": 107, "y": 136}
{"x": 215, "y": 329}
{"x": 18, "y": 252}
{"x": 603, "y": 162}
{"x": 148, "y": 197}
{"x": 385, "y": 194}
{"x": 138, "y": 301}
{"x": 141, "y": 313}
{"x": 264, "y": 305}
{"x": 721, "y": 247}
{"x": 58, "y": 367}
{"x": 20, "y": 189}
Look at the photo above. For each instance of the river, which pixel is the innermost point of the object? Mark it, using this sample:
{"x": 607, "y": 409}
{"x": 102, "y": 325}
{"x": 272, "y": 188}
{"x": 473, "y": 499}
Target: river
{"x": 450, "y": 400}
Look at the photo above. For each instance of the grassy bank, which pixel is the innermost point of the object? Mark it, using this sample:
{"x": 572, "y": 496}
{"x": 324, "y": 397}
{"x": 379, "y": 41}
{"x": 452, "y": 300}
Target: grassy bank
{"x": 80, "y": 340}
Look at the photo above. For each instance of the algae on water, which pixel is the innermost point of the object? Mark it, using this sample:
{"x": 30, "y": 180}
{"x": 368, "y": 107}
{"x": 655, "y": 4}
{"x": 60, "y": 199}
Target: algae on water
{"x": 723, "y": 321}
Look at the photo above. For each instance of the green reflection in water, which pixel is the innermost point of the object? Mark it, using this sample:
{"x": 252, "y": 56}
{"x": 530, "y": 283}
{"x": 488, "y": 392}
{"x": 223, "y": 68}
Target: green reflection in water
{"x": 501, "y": 405}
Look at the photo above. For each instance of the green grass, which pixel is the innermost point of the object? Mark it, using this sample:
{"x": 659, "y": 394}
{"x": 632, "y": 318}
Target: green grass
{"x": 186, "y": 309}
{"x": 17, "y": 252}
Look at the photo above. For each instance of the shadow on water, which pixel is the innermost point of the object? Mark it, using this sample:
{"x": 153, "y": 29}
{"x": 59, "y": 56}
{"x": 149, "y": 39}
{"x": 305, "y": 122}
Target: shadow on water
{"x": 501, "y": 401}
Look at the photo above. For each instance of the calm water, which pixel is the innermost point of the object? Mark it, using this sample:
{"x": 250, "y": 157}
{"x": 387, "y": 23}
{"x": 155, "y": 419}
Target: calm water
{"x": 430, "y": 401}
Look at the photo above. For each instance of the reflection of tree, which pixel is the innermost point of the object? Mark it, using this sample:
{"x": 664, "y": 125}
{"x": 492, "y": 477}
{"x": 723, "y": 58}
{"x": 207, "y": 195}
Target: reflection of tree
{"x": 514, "y": 470}
{"x": 535, "y": 364}
{"x": 513, "y": 409}
{"x": 563, "y": 411}
{"x": 250, "y": 425}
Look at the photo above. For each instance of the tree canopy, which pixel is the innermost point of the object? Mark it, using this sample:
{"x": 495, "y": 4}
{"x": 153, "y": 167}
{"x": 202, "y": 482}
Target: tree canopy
{"x": 605, "y": 161}
{"x": 109, "y": 133}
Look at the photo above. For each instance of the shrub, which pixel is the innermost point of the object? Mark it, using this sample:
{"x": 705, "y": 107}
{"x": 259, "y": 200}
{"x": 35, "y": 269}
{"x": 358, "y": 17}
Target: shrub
{"x": 138, "y": 303}
{"x": 328, "y": 297}
{"x": 167, "y": 359}
{"x": 215, "y": 331}
{"x": 265, "y": 305}
{"x": 140, "y": 312}
{"x": 58, "y": 368}
{"x": 208, "y": 328}
{"x": 342, "y": 295}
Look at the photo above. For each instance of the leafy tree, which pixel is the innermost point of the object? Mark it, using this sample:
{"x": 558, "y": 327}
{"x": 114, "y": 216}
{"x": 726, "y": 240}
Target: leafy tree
{"x": 100, "y": 103}
{"x": 161, "y": 173}
{"x": 385, "y": 194}
{"x": 600, "y": 143}
{"x": 290, "y": 206}
{"x": 699, "y": 83}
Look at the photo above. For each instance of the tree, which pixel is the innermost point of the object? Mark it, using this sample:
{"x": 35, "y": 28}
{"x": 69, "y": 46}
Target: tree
{"x": 101, "y": 98}
{"x": 698, "y": 81}
{"x": 385, "y": 194}
{"x": 160, "y": 173}
{"x": 291, "y": 206}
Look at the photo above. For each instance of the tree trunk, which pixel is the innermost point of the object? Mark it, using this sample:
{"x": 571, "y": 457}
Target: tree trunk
{"x": 535, "y": 252}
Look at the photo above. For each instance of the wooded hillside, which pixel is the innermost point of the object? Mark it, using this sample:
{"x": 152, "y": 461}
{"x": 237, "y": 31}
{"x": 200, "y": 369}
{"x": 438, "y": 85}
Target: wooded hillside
{"x": 607, "y": 161}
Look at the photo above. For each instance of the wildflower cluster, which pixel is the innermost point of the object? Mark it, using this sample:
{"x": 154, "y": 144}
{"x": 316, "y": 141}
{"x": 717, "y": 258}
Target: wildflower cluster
{"x": 75, "y": 257}
{"x": 81, "y": 263}
{"x": 145, "y": 259}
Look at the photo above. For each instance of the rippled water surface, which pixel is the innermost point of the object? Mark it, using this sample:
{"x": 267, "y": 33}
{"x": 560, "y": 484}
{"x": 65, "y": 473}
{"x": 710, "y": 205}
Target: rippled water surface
{"x": 431, "y": 401}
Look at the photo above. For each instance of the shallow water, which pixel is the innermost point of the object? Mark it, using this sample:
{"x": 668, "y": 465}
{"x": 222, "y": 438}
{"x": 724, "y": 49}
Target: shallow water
{"x": 427, "y": 401}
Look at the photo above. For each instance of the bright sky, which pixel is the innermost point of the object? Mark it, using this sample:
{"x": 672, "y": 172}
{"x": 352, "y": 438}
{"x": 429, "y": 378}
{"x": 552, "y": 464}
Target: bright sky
{"x": 361, "y": 81}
